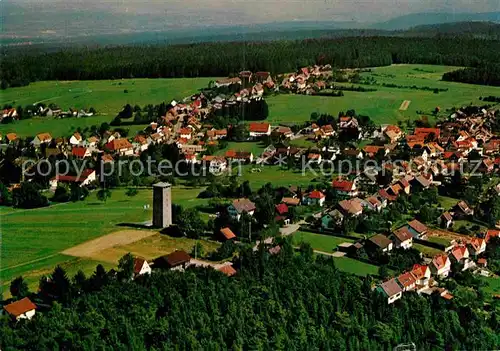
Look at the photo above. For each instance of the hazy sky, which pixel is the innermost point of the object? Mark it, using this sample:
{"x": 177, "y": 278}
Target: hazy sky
{"x": 258, "y": 11}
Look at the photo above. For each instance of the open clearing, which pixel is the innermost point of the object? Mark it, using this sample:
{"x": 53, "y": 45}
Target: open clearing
{"x": 444, "y": 237}
{"x": 404, "y": 105}
{"x": 151, "y": 247}
{"x": 350, "y": 265}
{"x": 35, "y": 239}
{"x": 326, "y": 243}
{"x": 123, "y": 237}
{"x": 106, "y": 96}
{"x": 383, "y": 105}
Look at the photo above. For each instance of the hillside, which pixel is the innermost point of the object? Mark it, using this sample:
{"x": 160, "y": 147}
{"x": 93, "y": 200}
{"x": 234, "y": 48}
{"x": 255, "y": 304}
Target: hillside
{"x": 485, "y": 30}
{"x": 419, "y": 19}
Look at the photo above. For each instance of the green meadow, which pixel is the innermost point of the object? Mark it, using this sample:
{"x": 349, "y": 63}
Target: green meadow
{"x": 33, "y": 239}
{"x": 106, "y": 96}
{"x": 383, "y": 105}
{"x": 350, "y": 265}
{"x": 325, "y": 243}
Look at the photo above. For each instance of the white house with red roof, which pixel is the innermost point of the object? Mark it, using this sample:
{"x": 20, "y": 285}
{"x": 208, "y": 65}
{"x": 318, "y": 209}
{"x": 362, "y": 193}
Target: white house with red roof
{"x": 240, "y": 206}
{"x": 460, "y": 255}
{"x": 259, "y": 129}
{"x": 477, "y": 246}
{"x": 422, "y": 275}
{"x": 314, "y": 198}
{"x": 441, "y": 265}
{"x": 407, "y": 281}
{"x": 76, "y": 139}
{"x": 185, "y": 133}
{"x": 374, "y": 203}
{"x": 403, "y": 238}
{"x": 85, "y": 178}
{"x": 345, "y": 187}
{"x": 120, "y": 146}
{"x": 81, "y": 152}
{"x": 21, "y": 309}
{"x": 391, "y": 290}
{"x": 141, "y": 267}
{"x": 42, "y": 138}
{"x": 216, "y": 164}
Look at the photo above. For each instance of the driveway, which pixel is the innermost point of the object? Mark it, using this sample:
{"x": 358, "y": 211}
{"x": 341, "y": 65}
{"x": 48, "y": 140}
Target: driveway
{"x": 291, "y": 228}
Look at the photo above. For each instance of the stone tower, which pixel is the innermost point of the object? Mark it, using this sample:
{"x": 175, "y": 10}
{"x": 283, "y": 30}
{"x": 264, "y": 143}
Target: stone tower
{"x": 162, "y": 205}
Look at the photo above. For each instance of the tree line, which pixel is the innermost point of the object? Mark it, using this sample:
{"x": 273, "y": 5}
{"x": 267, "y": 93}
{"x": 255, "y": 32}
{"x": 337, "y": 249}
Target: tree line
{"x": 222, "y": 59}
{"x": 287, "y": 301}
{"x": 485, "y": 75}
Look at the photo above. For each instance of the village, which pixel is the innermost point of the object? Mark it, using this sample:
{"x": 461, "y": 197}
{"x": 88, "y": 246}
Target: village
{"x": 394, "y": 164}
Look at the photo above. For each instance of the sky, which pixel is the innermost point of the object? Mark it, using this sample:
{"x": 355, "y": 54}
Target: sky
{"x": 259, "y": 11}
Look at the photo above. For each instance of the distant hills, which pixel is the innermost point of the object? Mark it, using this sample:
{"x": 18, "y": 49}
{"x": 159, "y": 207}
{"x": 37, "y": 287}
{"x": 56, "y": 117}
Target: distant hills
{"x": 421, "y": 19}
{"x": 21, "y": 29}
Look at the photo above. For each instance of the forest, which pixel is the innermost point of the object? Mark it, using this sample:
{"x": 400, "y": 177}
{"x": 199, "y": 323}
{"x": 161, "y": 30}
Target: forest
{"x": 224, "y": 58}
{"x": 488, "y": 74}
{"x": 286, "y": 301}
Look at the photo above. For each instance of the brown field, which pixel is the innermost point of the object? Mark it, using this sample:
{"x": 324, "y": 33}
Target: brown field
{"x": 404, "y": 105}
{"x": 122, "y": 237}
{"x": 446, "y": 235}
{"x": 151, "y": 247}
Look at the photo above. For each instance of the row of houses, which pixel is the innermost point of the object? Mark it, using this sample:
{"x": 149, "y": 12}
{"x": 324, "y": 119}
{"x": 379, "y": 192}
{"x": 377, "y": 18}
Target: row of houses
{"x": 459, "y": 257}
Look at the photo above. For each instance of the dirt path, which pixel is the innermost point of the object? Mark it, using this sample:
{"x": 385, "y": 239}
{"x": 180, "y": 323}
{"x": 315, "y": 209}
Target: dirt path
{"x": 123, "y": 237}
{"x": 28, "y": 262}
{"x": 404, "y": 105}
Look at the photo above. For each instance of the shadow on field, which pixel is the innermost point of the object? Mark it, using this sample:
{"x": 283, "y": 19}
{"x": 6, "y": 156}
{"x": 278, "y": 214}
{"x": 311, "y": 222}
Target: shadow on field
{"x": 136, "y": 225}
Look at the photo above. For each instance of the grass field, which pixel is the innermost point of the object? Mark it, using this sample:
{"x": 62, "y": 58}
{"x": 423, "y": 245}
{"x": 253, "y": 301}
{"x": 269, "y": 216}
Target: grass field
{"x": 326, "y": 243}
{"x": 493, "y": 287}
{"x": 447, "y": 202}
{"x": 152, "y": 247}
{"x": 439, "y": 240}
{"x": 383, "y": 105}
{"x": 426, "y": 250}
{"x": 255, "y": 147}
{"x": 33, "y": 239}
{"x": 353, "y": 266}
{"x": 106, "y": 96}
{"x": 275, "y": 175}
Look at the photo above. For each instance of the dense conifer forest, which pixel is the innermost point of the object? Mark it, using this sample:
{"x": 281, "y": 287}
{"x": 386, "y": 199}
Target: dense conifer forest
{"x": 486, "y": 75}
{"x": 287, "y": 301}
{"x": 222, "y": 59}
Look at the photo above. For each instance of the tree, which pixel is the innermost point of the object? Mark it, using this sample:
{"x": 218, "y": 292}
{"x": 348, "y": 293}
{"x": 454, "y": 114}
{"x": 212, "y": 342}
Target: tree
{"x": 99, "y": 279}
{"x": 126, "y": 266}
{"x": 226, "y": 250}
{"x": 78, "y": 193}
{"x": 80, "y": 282}
{"x": 190, "y": 223}
{"x": 131, "y": 192}
{"x": 306, "y": 251}
{"x": 5, "y": 195}
{"x": 383, "y": 272}
{"x": 265, "y": 208}
{"x": 19, "y": 288}
{"x": 126, "y": 112}
{"x": 28, "y": 196}
{"x": 240, "y": 132}
{"x": 61, "y": 194}
{"x": 103, "y": 194}
{"x": 198, "y": 250}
